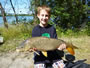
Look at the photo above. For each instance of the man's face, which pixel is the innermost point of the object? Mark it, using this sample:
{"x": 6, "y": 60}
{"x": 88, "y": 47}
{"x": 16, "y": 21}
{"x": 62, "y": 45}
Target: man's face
{"x": 43, "y": 17}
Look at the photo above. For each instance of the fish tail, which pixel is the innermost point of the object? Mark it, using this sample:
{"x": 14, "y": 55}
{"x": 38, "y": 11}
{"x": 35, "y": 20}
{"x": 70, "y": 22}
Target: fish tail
{"x": 44, "y": 53}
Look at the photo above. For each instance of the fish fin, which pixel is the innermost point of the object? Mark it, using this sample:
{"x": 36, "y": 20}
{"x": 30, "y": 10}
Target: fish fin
{"x": 70, "y": 50}
{"x": 44, "y": 53}
{"x": 75, "y": 47}
{"x": 36, "y": 52}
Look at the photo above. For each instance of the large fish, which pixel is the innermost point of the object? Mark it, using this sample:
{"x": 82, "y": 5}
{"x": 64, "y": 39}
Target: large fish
{"x": 44, "y": 44}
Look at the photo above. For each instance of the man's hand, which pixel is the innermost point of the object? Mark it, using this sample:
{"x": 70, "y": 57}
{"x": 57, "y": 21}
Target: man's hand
{"x": 62, "y": 47}
{"x": 32, "y": 49}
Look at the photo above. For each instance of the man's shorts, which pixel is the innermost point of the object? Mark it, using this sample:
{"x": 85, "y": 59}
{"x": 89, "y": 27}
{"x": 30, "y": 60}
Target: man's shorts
{"x": 57, "y": 64}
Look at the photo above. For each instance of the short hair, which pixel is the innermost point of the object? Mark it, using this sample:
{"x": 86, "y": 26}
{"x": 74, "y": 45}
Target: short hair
{"x": 45, "y": 7}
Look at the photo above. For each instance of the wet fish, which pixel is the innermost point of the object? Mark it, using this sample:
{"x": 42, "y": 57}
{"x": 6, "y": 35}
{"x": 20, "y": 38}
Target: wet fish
{"x": 44, "y": 44}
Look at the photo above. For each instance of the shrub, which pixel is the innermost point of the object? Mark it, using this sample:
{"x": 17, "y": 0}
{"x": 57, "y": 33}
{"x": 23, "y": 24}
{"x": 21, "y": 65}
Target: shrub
{"x": 16, "y": 31}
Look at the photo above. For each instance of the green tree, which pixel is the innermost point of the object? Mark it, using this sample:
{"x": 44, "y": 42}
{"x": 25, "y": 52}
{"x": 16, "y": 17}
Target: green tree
{"x": 71, "y": 12}
{"x": 33, "y": 8}
{"x": 67, "y": 14}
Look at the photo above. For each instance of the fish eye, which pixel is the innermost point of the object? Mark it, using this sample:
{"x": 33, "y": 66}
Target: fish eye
{"x": 21, "y": 47}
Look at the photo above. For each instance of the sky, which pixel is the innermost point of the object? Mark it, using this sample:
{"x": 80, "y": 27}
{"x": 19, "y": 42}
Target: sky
{"x": 21, "y": 6}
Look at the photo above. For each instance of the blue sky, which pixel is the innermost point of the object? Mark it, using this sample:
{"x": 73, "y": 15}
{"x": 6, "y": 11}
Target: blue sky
{"x": 21, "y": 6}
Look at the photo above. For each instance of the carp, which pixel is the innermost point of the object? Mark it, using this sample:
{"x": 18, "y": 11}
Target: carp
{"x": 44, "y": 44}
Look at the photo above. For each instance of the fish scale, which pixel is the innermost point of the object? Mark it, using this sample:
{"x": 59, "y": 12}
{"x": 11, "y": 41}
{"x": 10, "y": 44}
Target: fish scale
{"x": 44, "y": 44}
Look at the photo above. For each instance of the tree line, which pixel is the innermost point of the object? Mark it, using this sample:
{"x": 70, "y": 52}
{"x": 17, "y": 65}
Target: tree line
{"x": 66, "y": 14}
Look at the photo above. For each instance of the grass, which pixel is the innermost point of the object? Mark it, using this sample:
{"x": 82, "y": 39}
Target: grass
{"x": 83, "y": 43}
{"x": 10, "y": 45}
{"x": 17, "y": 33}
{"x": 13, "y": 35}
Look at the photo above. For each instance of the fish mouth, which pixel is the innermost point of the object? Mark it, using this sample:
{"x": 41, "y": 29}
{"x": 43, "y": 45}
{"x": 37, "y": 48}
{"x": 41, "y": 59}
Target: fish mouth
{"x": 20, "y": 50}
{"x": 17, "y": 50}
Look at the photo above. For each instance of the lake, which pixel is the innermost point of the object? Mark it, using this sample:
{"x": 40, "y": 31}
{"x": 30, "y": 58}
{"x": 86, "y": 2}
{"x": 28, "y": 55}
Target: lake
{"x": 11, "y": 19}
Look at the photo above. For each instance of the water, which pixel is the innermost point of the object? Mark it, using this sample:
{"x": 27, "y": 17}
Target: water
{"x": 11, "y": 19}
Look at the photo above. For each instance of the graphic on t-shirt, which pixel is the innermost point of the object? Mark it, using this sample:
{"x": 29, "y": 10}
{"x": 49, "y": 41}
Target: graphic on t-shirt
{"x": 46, "y": 35}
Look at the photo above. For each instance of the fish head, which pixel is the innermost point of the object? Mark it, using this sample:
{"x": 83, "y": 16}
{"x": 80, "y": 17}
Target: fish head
{"x": 23, "y": 47}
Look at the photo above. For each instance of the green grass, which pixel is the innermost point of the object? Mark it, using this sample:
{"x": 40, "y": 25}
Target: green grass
{"x": 72, "y": 33}
{"x": 15, "y": 34}
{"x": 16, "y": 31}
{"x": 83, "y": 44}
{"x": 10, "y": 45}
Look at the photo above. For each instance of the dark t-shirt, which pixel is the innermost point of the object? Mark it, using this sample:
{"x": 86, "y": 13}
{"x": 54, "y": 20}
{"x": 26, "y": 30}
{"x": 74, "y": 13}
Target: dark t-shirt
{"x": 52, "y": 55}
